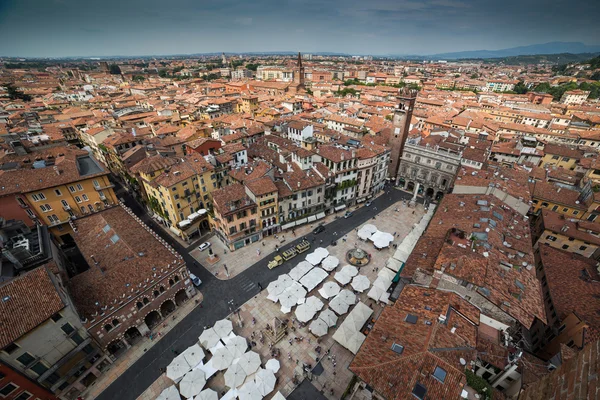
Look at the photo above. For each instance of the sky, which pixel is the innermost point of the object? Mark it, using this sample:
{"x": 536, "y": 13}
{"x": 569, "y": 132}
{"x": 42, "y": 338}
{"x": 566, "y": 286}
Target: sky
{"x": 60, "y": 28}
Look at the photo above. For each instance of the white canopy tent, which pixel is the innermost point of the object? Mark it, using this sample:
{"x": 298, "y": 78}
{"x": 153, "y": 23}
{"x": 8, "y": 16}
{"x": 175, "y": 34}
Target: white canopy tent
{"x": 376, "y": 293}
{"x": 349, "y": 270}
{"x": 366, "y": 231}
{"x": 394, "y": 264}
{"x": 178, "y": 368}
{"x": 209, "y": 338}
{"x": 304, "y": 313}
{"x": 193, "y": 355}
{"x": 313, "y": 278}
{"x": 265, "y": 381}
{"x": 348, "y": 334}
{"x": 192, "y": 383}
{"x": 318, "y": 327}
{"x": 329, "y": 289}
{"x": 273, "y": 364}
{"x": 360, "y": 283}
{"x": 313, "y": 259}
{"x": 387, "y": 273}
{"x": 300, "y": 270}
{"x": 170, "y": 393}
{"x": 358, "y": 316}
{"x": 250, "y": 361}
{"x": 223, "y": 328}
{"x": 222, "y": 359}
{"x": 235, "y": 376}
{"x": 342, "y": 278}
{"x": 207, "y": 394}
{"x": 382, "y": 239}
{"x": 330, "y": 263}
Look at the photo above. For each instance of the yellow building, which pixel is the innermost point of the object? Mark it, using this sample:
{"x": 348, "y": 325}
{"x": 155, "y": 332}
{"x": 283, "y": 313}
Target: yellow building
{"x": 248, "y": 104}
{"x": 560, "y": 156}
{"x": 264, "y": 193}
{"x": 60, "y": 184}
{"x": 178, "y": 191}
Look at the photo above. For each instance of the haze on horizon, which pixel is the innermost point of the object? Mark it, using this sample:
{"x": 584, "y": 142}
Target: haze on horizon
{"x": 69, "y": 28}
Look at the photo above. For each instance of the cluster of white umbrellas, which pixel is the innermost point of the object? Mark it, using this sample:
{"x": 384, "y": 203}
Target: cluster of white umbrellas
{"x": 366, "y": 231}
{"x": 291, "y": 296}
{"x": 326, "y": 320}
{"x": 277, "y": 287}
{"x": 306, "y": 311}
{"x": 300, "y": 270}
{"x": 317, "y": 256}
{"x": 381, "y": 239}
{"x": 342, "y": 302}
{"x": 383, "y": 282}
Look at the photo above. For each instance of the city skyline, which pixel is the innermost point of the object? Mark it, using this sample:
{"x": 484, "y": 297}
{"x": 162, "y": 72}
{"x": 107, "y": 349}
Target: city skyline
{"x": 63, "y": 28}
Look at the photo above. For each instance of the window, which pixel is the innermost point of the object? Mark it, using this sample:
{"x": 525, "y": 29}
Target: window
{"x": 72, "y": 189}
{"x": 56, "y": 317}
{"x": 39, "y": 368}
{"x": 440, "y": 374}
{"x": 57, "y": 192}
{"x": 78, "y": 199}
{"x": 411, "y": 319}
{"x": 38, "y": 196}
{"x": 23, "y": 396}
{"x": 551, "y": 238}
{"x": 45, "y": 207}
{"x": 85, "y": 198}
{"x": 419, "y": 391}
{"x": 77, "y": 338}
{"x": 67, "y": 328}
{"x": 88, "y": 349}
{"x": 565, "y": 246}
{"x": 79, "y": 187}
{"x": 95, "y": 182}
{"x": 52, "y": 379}
{"x": 8, "y": 389}
{"x": 582, "y": 248}
{"x": 26, "y": 359}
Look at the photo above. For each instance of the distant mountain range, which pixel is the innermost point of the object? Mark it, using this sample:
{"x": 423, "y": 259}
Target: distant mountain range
{"x": 544, "y": 48}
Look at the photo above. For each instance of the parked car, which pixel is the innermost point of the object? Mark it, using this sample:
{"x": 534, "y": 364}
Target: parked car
{"x": 204, "y": 246}
{"x": 368, "y": 203}
{"x": 318, "y": 229}
{"x": 195, "y": 280}
{"x": 348, "y": 214}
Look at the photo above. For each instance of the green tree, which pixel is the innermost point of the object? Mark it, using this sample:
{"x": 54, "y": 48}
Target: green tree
{"x": 520, "y": 88}
{"x": 595, "y": 76}
{"x": 474, "y": 75}
{"x": 163, "y": 73}
{"x": 138, "y": 78}
{"x": 252, "y": 67}
{"x": 15, "y": 94}
{"x": 114, "y": 69}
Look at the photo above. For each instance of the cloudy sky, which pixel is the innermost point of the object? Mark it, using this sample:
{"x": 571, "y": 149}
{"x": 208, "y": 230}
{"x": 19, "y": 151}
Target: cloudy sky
{"x": 54, "y": 28}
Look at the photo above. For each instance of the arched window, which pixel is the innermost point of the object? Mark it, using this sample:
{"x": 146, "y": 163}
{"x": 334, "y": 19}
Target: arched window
{"x": 139, "y": 305}
{"x": 108, "y": 327}
{"x": 146, "y": 301}
{"x": 176, "y": 278}
{"x": 417, "y": 159}
{"x": 171, "y": 282}
{"x": 156, "y": 293}
{"x": 162, "y": 289}
{"x": 115, "y": 322}
{"x": 438, "y": 165}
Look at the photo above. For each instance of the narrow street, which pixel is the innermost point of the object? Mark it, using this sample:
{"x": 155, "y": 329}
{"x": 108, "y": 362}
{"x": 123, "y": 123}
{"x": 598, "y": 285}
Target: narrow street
{"x": 218, "y": 293}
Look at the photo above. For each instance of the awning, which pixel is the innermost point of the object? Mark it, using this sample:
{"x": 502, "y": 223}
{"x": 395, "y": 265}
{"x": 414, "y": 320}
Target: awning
{"x": 312, "y": 218}
{"x": 340, "y": 208}
{"x": 302, "y": 221}
{"x": 288, "y": 225}
{"x": 320, "y": 215}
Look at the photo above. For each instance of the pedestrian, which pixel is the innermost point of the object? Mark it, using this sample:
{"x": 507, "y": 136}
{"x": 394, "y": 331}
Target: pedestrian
{"x": 175, "y": 352}
{"x": 413, "y": 212}
{"x": 226, "y": 270}
{"x": 260, "y": 288}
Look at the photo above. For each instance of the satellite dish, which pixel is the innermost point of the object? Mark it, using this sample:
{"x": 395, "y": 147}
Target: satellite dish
{"x": 462, "y": 361}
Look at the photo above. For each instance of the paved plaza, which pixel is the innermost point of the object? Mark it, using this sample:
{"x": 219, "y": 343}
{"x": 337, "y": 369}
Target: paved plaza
{"x": 295, "y": 354}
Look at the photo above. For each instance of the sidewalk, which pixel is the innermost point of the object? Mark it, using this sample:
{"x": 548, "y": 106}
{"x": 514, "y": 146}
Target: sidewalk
{"x": 137, "y": 350}
{"x": 239, "y": 260}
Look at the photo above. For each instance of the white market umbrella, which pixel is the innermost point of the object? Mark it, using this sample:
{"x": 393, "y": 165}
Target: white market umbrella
{"x": 288, "y": 300}
{"x": 193, "y": 355}
{"x": 304, "y": 313}
{"x": 313, "y": 259}
{"x": 249, "y": 392}
{"x": 275, "y": 288}
{"x": 387, "y": 273}
{"x": 265, "y": 381}
{"x": 209, "y": 338}
{"x": 342, "y": 278}
{"x": 314, "y": 303}
{"x": 178, "y": 368}
{"x": 278, "y": 396}
{"x": 382, "y": 239}
{"x": 366, "y": 231}
{"x": 207, "y": 394}
{"x": 222, "y": 358}
{"x": 382, "y": 282}
{"x": 297, "y": 290}
{"x": 318, "y": 327}
{"x": 223, "y": 328}
{"x": 170, "y": 393}
{"x": 192, "y": 383}
{"x": 273, "y": 364}
{"x": 237, "y": 346}
{"x": 347, "y": 297}
{"x": 329, "y": 317}
{"x": 329, "y": 289}
{"x": 360, "y": 283}
{"x": 350, "y": 270}
{"x": 321, "y": 252}
{"x": 300, "y": 270}
{"x": 235, "y": 376}
{"x": 330, "y": 263}
{"x": 285, "y": 280}
{"x": 376, "y": 292}
{"x": 313, "y": 278}
{"x": 339, "y": 306}
{"x": 250, "y": 361}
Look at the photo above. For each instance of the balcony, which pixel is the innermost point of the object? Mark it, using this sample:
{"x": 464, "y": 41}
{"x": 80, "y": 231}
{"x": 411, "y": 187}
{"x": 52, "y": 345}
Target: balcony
{"x": 102, "y": 196}
{"x": 104, "y": 186}
{"x": 66, "y": 208}
{"x": 59, "y": 222}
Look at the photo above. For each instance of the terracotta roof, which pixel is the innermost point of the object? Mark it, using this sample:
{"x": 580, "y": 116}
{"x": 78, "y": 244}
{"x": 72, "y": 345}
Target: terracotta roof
{"x": 424, "y": 346}
{"x": 122, "y": 255}
{"x": 184, "y": 168}
{"x": 26, "y": 302}
{"x": 231, "y": 198}
{"x": 574, "y": 228}
{"x": 153, "y": 164}
{"x": 261, "y": 186}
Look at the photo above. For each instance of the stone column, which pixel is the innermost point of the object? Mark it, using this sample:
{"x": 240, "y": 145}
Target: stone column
{"x": 143, "y": 328}
{"x": 417, "y": 186}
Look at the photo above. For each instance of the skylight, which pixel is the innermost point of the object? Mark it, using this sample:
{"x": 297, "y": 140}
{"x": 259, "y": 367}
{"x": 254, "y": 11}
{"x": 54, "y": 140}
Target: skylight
{"x": 411, "y": 319}
{"x": 106, "y": 228}
{"x": 440, "y": 374}
{"x": 419, "y": 391}
{"x": 397, "y": 348}
{"x": 114, "y": 238}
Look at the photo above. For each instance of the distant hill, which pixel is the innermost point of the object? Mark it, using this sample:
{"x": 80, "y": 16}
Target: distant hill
{"x": 556, "y": 59}
{"x": 534, "y": 49}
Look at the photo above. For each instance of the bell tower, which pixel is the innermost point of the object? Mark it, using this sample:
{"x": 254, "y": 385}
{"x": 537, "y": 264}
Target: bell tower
{"x": 401, "y": 123}
{"x": 299, "y": 73}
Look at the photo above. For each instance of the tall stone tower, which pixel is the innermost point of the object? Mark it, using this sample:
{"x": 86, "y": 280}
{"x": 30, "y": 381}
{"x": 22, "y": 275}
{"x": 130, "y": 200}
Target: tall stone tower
{"x": 401, "y": 124}
{"x": 299, "y": 73}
